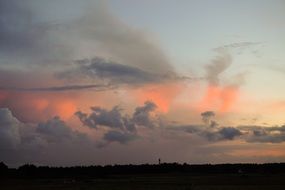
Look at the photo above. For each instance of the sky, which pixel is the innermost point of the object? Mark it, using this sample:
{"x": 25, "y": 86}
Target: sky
{"x": 128, "y": 82}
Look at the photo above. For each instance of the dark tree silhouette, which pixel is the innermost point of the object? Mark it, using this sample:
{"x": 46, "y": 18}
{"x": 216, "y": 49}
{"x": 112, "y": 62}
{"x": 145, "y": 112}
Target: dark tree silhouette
{"x": 3, "y": 167}
{"x": 29, "y": 170}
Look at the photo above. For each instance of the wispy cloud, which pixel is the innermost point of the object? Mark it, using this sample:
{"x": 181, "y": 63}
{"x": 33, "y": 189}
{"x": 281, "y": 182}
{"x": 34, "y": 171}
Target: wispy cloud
{"x": 237, "y": 45}
{"x": 59, "y": 88}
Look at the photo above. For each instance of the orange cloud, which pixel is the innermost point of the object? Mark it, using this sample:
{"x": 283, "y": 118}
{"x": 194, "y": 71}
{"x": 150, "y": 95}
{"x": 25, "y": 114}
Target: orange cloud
{"x": 41, "y": 104}
{"x": 65, "y": 109}
{"x": 34, "y": 107}
{"x": 219, "y": 98}
{"x": 228, "y": 97}
{"x": 163, "y": 95}
{"x": 273, "y": 152}
{"x": 3, "y": 96}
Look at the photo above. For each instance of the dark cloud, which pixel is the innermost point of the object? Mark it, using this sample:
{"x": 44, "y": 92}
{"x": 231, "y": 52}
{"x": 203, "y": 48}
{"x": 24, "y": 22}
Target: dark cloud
{"x": 267, "y": 138}
{"x": 207, "y": 118}
{"x": 54, "y": 142}
{"x": 210, "y": 134}
{"x": 59, "y": 88}
{"x": 142, "y": 117}
{"x": 119, "y": 136}
{"x": 55, "y": 130}
{"x": 229, "y": 133}
{"x": 193, "y": 129}
{"x": 102, "y": 117}
{"x": 103, "y": 70}
{"x": 213, "y": 124}
{"x": 26, "y": 142}
{"x": 115, "y": 119}
{"x": 122, "y": 126}
{"x": 260, "y": 134}
{"x": 114, "y": 73}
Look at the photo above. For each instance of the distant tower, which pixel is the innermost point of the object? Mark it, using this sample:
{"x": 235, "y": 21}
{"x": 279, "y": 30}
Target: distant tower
{"x": 159, "y": 161}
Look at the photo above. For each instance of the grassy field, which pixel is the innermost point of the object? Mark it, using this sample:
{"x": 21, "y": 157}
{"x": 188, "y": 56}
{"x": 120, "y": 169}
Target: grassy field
{"x": 170, "y": 181}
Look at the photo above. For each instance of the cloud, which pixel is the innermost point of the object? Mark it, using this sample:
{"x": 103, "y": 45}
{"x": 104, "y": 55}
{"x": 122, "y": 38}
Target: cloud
{"x": 192, "y": 129}
{"x": 25, "y": 142}
{"x": 111, "y": 72}
{"x": 124, "y": 55}
{"x": 142, "y": 117}
{"x": 120, "y": 41}
{"x": 121, "y": 127}
{"x": 9, "y": 129}
{"x": 41, "y": 106}
{"x": 119, "y": 136}
{"x": 207, "y": 116}
{"x": 217, "y": 67}
{"x": 25, "y": 39}
{"x": 102, "y": 117}
{"x": 114, "y": 119}
{"x": 55, "y": 130}
{"x": 260, "y": 134}
{"x": 237, "y": 45}
{"x": 126, "y": 128}
{"x": 210, "y": 134}
{"x": 229, "y": 133}
{"x": 54, "y": 142}
{"x": 59, "y": 88}
{"x": 17, "y": 32}
{"x": 221, "y": 95}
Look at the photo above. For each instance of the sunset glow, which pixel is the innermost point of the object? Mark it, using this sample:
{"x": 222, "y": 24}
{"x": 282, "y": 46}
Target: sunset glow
{"x": 141, "y": 79}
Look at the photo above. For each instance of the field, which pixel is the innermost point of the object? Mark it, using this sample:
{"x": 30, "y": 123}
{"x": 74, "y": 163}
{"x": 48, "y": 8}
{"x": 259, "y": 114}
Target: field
{"x": 166, "y": 181}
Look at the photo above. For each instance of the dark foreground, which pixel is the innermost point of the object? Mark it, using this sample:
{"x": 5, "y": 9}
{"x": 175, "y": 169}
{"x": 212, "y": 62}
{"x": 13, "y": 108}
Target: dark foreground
{"x": 164, "y": 177}
{"x": 157, "y": 181}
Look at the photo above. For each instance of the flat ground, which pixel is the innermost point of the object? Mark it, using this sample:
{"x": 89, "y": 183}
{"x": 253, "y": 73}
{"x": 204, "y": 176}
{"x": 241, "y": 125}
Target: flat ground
{"x": 169, "y": 181}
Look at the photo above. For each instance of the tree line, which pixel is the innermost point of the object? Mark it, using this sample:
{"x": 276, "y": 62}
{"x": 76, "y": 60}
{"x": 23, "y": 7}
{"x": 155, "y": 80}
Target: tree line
{"x": 30, "y": 170}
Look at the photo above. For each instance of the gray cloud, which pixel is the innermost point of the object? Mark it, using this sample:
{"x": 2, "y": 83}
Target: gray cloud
{"x": 260, "y": 134}
{"x": 227, "y": 133}
{"x": 210, "y": 134}
{"x": 54, "y": 142}
{"x": 9, "y": 129}
{"x": 142, "y": 117}
{"x": 55, "y": 130}
{"x": 17, "y": 31}
{"x": 217, "y": 67}
{"x": 111, "y": 72}
{"x": 192, "y": 129}
{"x": 119, "y": 136}
{"x": 102, "y": 117}
{"x": 24, "y": 39}
{"x": 114, "y": 119}
{"x": 121, "y": 42}
{"x": 207, "y": 117}
{"x": 28, "y": 36}
{"x": 59, "y": 88}
{"x": 122, "y": 126}
{"x": 23, "y": 142}
{"x": 237, "y": 45}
